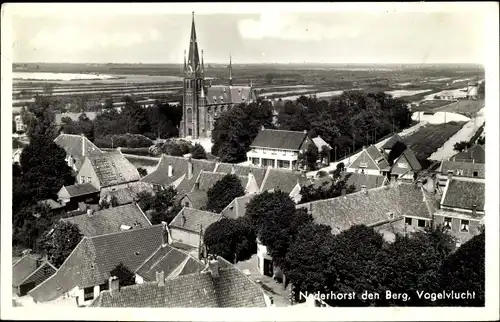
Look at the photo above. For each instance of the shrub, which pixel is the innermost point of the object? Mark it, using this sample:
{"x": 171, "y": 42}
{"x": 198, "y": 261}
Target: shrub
{"x": 123, "y": 140}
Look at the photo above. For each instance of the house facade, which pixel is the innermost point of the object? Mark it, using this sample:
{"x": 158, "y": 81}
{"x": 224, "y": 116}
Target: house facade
{"x": 278, "y": 148}
{"x": 188, "y": 226}
{"x": 371, "y": 161}
{"x": 462, "y": 208}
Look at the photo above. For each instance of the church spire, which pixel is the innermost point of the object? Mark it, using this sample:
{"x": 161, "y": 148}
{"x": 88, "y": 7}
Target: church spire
{"x": 185, "y": 65}
{"x": 230, "y": 72}
{"x": 202, "y": 63}
{"x": 193, "y": 57}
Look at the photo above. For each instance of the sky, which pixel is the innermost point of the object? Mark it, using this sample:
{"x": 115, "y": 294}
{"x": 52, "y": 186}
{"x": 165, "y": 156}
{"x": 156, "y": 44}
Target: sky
{"x": 251, "y": 32}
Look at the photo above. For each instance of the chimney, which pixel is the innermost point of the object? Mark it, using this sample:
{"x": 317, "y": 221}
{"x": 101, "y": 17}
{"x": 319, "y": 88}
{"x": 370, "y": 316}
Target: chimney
{"x": 213, "y": 267}
{"x": 183, "y": 219}
{"x": 190, "y": 168}
{"x": 160, "y": 278}
{"x": 83, "y": 145}
{"x": 114, "y": 284}
{"x": 262, "y": 128}
{"x": 474, "y": 210}
{"x": 305, "y": 131}
{"x": 233, "y": 169}
{"x": 197, "y": 186}
{"x": 165, "y": 234}
{"x": 450, "y": 175}
{"x": 169, "y": 171}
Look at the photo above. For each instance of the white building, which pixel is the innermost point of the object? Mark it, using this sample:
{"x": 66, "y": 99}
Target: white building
{"x": 278, "y": 148}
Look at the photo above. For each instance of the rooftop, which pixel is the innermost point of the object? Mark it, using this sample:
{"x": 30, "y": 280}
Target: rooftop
{"x": 72, "y": 144}
{"x": 474, "y": 154}
{"x": 193, "y": 219}
{"x": 221, "y": 94}
{"x": 198, "y": 198}
{"x": 279, "y": 139}
{"x": 112, "y": 168}
{"x": 464, "y": 194}
{"x": 110, "y": 220}
{"x": 80, "y": 189}
{"x": 237, "y": 207}
{"x": 231, "y": 288}
{"x": 243, "y": 170}
{"x": 371, "y": 207}
{"x": 467, "y": 169}
{"x": 392, "y": 140}
{"x": 284, "y": 180}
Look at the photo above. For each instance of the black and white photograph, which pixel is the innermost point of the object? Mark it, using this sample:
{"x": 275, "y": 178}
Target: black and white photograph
{"x": 299, "y": 157}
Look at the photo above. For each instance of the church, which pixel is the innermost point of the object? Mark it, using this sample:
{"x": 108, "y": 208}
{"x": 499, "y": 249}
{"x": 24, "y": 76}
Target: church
{"x": 202, "y": 102}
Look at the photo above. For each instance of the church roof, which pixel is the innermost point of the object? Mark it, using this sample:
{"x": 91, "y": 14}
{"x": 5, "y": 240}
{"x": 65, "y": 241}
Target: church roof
{"x": 222, "y": 94}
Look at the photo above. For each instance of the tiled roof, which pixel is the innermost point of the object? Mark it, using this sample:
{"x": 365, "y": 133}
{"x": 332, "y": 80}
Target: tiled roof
{"x": 190, "y": 219}
{"x": 468, "y": 168}
{"x": 23, "y": 268}
{"x": 72, "y": 144}
{"x": 179, "y": 168}
{"x": 51, "y": 204}
{"x": 198, "y": 198}
{"x": 91, "y": 261}
{"x": 319, "y": 142}
{"x": 464, "y": 194}
{"x": 110, "y": 220}
{"x": 208, "y": 179}
{"x": 44, "y": 271}
{"x": 369, "y": 181}
{"x": 237, "y": 207}
{"x": 230, "y": 289}
{"x": 112, "y": 168}
{"x": 378, "y": 157}
{"x": 279, "y": 139}
{"x": 81, "y": 189}
{"x": 284, "y": 180}
{"x": 242, "y": 170}
{"x": 171, "y": 261}
{"x": 369, "y": 208}
{"x": 220, "y": 94}
{"x": 475, "y": 153}
{"x": 392, "y": 140}
{"x": 129, "y": 194}
{"x": 409, "y": 159}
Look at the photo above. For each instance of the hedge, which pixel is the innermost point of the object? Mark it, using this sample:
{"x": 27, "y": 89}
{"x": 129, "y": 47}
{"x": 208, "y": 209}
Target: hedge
{"x": 123, "y": 140}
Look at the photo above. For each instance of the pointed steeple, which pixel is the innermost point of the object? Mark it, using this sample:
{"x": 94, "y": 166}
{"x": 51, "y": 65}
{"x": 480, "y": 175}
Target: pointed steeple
{"x": 230, "y": 72}
{"x": 193, "y": 57}
{"x": 202, "y": 63}
{"x": 185, "y": 65}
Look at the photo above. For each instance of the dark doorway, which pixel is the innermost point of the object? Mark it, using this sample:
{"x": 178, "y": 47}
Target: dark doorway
{"x": 268, "y": 267}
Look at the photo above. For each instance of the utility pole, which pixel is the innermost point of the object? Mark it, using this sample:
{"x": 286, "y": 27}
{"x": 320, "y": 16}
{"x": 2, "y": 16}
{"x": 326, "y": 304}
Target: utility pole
{"x": 335, "y": 153}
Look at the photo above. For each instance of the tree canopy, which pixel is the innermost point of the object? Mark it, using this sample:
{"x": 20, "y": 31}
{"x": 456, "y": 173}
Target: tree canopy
{"x": 198, "y": 152}
{"x": 233, "y": 239}
{"x": 124, "y": 274}
{"x": 223, "y": 192}
{"x": 162, "y": 205}
{"x": 329, "y": 188}
{"x": 60, "y": 242}
{"x": 236, "y": 128}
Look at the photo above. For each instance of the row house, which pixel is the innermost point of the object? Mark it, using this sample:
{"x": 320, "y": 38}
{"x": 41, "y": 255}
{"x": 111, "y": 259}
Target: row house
{"x": 462, "y": 208}
{"x": 224, "y": 286}
{"x": 30, "y": 271}
{"x": 86, "y": 271}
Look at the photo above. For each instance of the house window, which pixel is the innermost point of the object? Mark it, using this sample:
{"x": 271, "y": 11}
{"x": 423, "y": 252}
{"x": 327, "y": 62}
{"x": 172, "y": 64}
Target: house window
{"x": 464, "y": 226}
{"x": 104, "y": 287}
{"x": 82, "y": 179}
{"x": 447, "y": 223}
{"x": 88, "y": 293}
{"x": 421, "y": 223}
{"x": 408, "y": 221}
{"x": 89, "y": 179}
{"x": 186, "y": 204}
{"x": 475, "y": 174}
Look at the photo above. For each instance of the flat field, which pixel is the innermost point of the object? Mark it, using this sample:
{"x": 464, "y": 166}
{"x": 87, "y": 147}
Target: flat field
{"x": 465, "y": 107}
{"x": 430, "y": 105}
{"x": 430, "y": 137}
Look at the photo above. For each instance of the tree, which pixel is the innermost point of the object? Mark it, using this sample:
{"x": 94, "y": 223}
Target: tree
{"x": 112, "y": 202}
{"x": 311, "y": 156}
{"x": 331, "y": 188}
{"x": 397, "y": 149}
{"x": 198, "y": 152}
{"x": 59, "y": 243}
{"x": 232, "y": 239}
{"x": 124, "y": 274}
{"x": 309, "y": 270}
{"x": 463, "y": 271}
{"x": 410, "y": 263}
{"x": 324, "y": 153}
{"x": 163, "y": 204}
{"x": 266, "y": 203}
{"x": 460, "y": 146}
{"x": 135, "y": 116}
{"x": 223, "y": 192}
{"x": 142, "y": 172}
{"x": 235, "y": 129}
{"x": 108, "y": 103}
{"x": 14, "y": 127}
{"x": 481, "y": 140}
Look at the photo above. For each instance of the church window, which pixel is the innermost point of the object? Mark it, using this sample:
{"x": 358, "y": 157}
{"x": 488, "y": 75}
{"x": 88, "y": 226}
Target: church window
{"x": 189, "y": 115}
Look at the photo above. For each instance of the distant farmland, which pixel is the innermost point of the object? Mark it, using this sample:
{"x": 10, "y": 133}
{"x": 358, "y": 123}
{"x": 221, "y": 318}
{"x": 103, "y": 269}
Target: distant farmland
{"x": 430, "y": 137}
{"x": 465, "y": 107}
